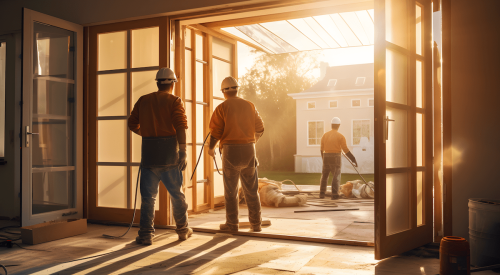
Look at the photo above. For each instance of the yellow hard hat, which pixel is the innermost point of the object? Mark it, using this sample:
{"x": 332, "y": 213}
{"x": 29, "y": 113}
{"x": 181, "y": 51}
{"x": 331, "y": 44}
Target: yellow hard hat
{"x": 229, "y": 84}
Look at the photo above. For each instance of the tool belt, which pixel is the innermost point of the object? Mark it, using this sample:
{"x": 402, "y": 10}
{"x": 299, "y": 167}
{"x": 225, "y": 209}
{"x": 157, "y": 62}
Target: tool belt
{"x": 160, "y": 152}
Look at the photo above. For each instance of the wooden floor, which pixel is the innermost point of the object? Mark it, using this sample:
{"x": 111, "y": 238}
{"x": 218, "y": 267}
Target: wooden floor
{"x": 355, "y": 225}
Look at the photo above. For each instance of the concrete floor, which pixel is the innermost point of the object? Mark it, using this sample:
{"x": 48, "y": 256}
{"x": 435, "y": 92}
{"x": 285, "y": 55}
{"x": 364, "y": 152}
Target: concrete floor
{"x": 205, "y": 254}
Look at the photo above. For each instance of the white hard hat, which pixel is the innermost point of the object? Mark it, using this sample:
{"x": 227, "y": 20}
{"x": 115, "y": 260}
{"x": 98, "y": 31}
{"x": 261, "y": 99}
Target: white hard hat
{"x": 335, "y": 120}
{"x": 229, "y": 83}
{"x": 165, "y": 76}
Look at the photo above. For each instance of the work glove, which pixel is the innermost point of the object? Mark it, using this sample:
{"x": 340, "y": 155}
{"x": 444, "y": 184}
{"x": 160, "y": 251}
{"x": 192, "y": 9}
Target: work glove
{"x": 211, "y": 152}
{"x": 182, "y": 160}
{"x": 352, "y": 158}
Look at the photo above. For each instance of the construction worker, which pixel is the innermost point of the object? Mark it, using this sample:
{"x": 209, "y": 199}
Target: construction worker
{"x": 160, "y": 119}
{"x": 332, "y": 145}
{"x": 236, "y": 124}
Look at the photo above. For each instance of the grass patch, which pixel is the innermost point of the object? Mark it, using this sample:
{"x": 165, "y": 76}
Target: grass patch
{"x": 308, "y": 178}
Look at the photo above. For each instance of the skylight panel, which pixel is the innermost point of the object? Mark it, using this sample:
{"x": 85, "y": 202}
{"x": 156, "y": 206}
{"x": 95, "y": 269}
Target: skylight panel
{"x": 355, "y": 25}
{"x": 303, "y": 27}
{"x": 372, "y": 15}
{"x": 350, "y": 37}
{"x": 263, "y": 37}
{"x": 318, "y": 29}
{"x": 236, "y": 32}
{"x": 366, "y": 21}
{"x": 327, "y": 23}
{"x": 291, "y": 35}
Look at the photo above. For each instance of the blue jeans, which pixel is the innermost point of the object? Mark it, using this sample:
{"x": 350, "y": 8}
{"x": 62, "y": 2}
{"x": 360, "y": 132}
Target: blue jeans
{"x": 331, "y": 164}
{"x": 172, "y": 179}
{"x": 239, "y": 162}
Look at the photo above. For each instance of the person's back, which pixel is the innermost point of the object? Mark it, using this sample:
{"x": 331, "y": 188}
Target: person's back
{"x": 333, "y": 142}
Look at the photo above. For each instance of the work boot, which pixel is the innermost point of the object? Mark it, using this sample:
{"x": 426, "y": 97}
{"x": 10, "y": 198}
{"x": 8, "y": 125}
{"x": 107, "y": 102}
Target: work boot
{"x": 321, "y": 195}
{"x": 256, "y": 228}
{"x": 335, "y": 197}
{"x": 227, "y": 227}
{"x": 144, "y": 240}
{"x": 185, "y": 235}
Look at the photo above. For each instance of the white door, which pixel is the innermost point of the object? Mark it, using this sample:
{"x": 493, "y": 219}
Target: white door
{"x": 52, "y": 119}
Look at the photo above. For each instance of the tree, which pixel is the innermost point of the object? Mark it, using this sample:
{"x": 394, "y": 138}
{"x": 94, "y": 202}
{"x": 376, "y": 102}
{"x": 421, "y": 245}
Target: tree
{"x": 267, "y": 84}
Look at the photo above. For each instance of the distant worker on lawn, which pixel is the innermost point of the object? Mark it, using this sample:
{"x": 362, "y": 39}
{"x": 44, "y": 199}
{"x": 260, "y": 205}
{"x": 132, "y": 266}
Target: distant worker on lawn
{"x": 237, "y": 125}
{"x": 332, "y": 145}
{"x": 160, "y": 119}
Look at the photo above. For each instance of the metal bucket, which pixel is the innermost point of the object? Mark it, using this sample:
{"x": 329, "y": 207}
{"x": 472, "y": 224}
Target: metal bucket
{"x": 484, "y": 231}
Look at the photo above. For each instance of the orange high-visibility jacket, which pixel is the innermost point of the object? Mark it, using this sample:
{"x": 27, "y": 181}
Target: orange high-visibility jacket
{"x": 333, "y": 142}
{"x": 235, "y": 121}
{"x": 158, "y": 114}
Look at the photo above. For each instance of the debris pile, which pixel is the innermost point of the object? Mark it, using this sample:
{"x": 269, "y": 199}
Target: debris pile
{"x": 271, "y": 194}
{"x": 358, "y": 189}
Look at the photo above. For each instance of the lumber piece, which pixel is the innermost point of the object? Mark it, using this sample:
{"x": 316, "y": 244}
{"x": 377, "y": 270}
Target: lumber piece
{"x": 325, "y": 210}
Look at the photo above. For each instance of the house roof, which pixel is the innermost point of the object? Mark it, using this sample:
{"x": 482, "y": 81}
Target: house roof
{"x": 344, "y": 78}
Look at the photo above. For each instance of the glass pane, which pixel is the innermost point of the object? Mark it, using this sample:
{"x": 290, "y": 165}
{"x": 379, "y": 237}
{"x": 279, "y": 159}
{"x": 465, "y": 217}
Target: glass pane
{"x": 112, "y": 140}
{"x": 222, "y": 49}
{"x": 199, "y": 124}
{"x": 218, "y": 184}
{"x": 188, "y": 38}
{"x": 418, "y": 29}
{"x": 291, "y": 35}
{"x": 135, "y": 170}
{"x": 420, "y": 139}
{"x": 200, "y": 193}
{"x": 419, "y": 82}
{"x": 367, "y": 23}
{"x": 319, "y": 131}
{"x": 112, "y": 94}
{"x": 187, "y": 75}
{"x": 199, "y": 47}
{"x": 396, "y": 24}
{"x": 318, "y": 29}
{"x": 112, "y": 186}
{"x": 327, "y": 23}
{"x": 200, "y": 170}
{"x": 420, "y": 198}
{"x": 397, "y": 143}
{"x": 353, "y": 22}
{"x": 52, "y": 191}
{"x": 349, "y": 36}
{"x": 53, "y": 146}
{"x": 303, "y": 27}
{"x": 143, "y": 83}
{"x": 397, "y": 203}
{"x": 145, "y": 47}
{"x": 189, "y": 114}
{"x": 112, "y": 51}
{"x": 3, "y": 60}
{"x": 136, "y": 147}
{"x": 396, "y": 77}
{"x": 238, "y": 33}
{"x": 266, "y": 38}
{"x": 372, "y": 14}
{"x": 54, "y": 52}
{"x": 200, "y": 70}
{"x": 221, "y": 70}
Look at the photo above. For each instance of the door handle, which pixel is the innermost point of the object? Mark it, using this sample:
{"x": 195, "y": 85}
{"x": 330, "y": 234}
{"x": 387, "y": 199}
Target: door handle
{"x": 26, "y": 136}
{"x": 387, "y": 120}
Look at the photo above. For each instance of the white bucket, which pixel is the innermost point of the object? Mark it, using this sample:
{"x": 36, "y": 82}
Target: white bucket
{"x": 484, "y": 232}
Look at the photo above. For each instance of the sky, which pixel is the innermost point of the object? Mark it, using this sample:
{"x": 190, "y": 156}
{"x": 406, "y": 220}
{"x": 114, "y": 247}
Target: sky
{"x": 334, "y": 57}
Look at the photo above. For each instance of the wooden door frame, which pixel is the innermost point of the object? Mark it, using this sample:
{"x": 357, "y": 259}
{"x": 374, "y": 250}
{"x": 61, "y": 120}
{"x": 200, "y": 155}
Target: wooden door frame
{"x": 94, "y": 212}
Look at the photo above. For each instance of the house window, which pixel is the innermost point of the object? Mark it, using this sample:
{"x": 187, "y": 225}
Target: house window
{"x": 371, "y": 102}
{"x": 311, "y": 105}
{"x": 356, "y": 103}
{"x": 332, "y": 83}
{"x": 315, "y": 131}
{"x": 360, "y": 129}
{"x": 333, "y": 104}
{"x": 360, "y": 81}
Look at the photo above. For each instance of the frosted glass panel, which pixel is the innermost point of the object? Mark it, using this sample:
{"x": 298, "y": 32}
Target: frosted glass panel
{"x": 188, "y": 38}
{"x": 418, "y": 29}
{"x": 397, "y": 203}
{"x": 420, "y": 198}
{"x": 187, "y": 75}
{"x": 397, "y": 143}
{"x": 200, "y": 137}
{"x": 396, "y": 77}
{"x": 396, "y": 22}
{"x": 135, "y": 170}
{"x": 419, "y": 84}
{"x": 199, "y": 47}
{"x": 143, "y": 83}
{"x": 221, "y": 70}
{"x": 112, "y": 140}
{"x": 136, "y": 147}
{"x": 112, "y": 186}
{"x": 200, "y": 69}
{"x": 218, "y": 184}
{"x": 112, "y": 95}
{"x": 200, "y": 171}
{"x": 420, "y": 139}
{"x": 189, "y": 114}
{"x": 112, "y": 51}
{"x": 222, "y": 49}
{"x": 145, "y": 47}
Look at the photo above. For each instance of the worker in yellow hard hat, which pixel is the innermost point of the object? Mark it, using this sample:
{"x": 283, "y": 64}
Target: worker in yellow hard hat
{"x": 332, "y": 145}
{"x": 160, "y": 119}
{"x": 236, "y": 124}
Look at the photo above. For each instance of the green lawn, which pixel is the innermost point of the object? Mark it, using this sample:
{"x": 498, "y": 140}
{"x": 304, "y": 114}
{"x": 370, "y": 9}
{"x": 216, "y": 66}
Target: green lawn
{"x": 308, "y": 178}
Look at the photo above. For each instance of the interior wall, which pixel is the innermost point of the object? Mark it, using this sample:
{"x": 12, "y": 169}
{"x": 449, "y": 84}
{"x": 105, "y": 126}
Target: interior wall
{"x": 475, "y": 95}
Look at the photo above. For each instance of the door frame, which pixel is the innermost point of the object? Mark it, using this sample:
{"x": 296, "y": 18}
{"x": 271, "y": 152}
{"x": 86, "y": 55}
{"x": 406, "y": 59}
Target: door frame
{"x": 27, "y": 218}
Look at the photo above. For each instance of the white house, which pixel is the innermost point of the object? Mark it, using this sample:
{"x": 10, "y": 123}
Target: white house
{"x": 345, "y": 92}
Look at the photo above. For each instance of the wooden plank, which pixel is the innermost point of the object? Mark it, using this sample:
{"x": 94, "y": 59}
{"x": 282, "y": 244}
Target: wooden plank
{"x": 212, "y": 33}
{"x": 438, "y": 201}
{"x": 210, "y": 109}
{"x": 325, "y": 210}
{"x": 85, "y": 119}
{"x": 193, "y": 119}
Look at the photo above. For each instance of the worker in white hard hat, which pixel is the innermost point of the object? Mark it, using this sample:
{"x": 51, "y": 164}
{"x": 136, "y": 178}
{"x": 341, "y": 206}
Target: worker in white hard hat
{"x": 237, "y": 126}
{"x": 332, "y": 145}
{"x": 160, "y": 119}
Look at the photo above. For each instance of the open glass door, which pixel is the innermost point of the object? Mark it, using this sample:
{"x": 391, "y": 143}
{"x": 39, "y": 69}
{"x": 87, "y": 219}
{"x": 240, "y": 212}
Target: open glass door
{"x": 403, "y": 131}
{"x": 51, "y": 119}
